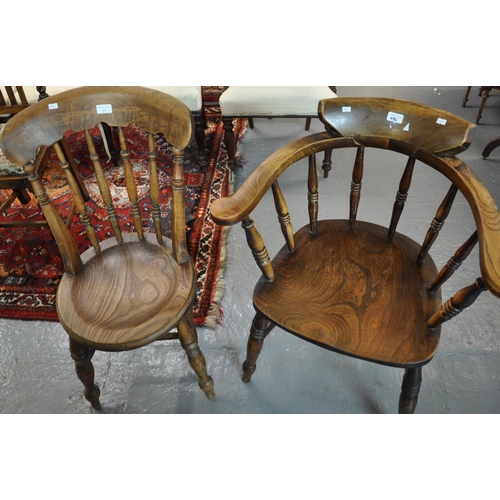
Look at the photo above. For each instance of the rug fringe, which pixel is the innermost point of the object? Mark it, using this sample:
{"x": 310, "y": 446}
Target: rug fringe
{"x": 215, "y": 312}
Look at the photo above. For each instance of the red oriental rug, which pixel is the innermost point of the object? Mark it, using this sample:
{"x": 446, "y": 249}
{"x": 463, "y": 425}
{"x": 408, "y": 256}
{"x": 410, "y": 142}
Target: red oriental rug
{"x": 30, "y": 270}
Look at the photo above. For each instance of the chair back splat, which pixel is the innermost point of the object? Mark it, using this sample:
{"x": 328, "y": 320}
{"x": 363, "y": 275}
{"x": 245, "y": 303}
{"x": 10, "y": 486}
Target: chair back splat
{"x": 353, "y": 286}
{"x": 130, "y": 288}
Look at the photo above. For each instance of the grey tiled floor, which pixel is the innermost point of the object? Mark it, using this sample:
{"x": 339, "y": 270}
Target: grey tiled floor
{"x": 37, "y": 374}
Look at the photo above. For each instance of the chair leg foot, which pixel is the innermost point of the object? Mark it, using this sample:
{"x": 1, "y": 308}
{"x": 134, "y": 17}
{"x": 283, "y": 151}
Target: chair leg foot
{"x": 260, "y": 329}
{"x": 189, "y": 342}
{"x": 410, "y": 388}
{"x": 82, "y": 357}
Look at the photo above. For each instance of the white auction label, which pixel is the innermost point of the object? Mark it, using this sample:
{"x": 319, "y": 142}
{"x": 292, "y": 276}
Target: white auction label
{"x": 395, "y": 117}
{"x": 346, "y": 109}
{"x": 103, "y": 109}
{"x": 441, "y": 121}
{"x": 53, "y": 105}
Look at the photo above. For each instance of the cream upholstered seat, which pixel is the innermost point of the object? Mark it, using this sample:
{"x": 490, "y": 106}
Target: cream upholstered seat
{"x": 269, "y": 102}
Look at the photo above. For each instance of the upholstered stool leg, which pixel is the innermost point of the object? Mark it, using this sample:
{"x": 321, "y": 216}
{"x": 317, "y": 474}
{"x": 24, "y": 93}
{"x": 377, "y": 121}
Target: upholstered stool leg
{"x": 199, "y": 133}
{"x": 486, "y": 93}
{"x": 260, "y": 329}
{"x": 189, "y": 341}
{"x": 466, "y": 97}
{"x": 409, "y": 390}
{"x": 82, "y": 357}
{"x": 230, "y": 140}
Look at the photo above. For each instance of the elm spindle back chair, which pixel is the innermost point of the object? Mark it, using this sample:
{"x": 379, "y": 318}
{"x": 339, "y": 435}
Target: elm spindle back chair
{"x": 133, "y": 288}
{"x": 353, "y": 286}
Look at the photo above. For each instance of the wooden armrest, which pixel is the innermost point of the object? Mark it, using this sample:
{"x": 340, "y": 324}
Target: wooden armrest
{"x": 229, "y": 211}
{"x": 486, "y": 216}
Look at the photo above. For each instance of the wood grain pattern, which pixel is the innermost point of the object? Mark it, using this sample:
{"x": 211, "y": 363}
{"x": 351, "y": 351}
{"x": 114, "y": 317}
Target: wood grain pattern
{"x": 126, "y": 295}
{"x": 361, "y": 294}
{"x": 434, "y": 130}
{"x": 42, "y": 124}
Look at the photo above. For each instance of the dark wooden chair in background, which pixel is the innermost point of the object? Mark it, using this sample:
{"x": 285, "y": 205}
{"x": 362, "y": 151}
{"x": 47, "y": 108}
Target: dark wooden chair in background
{"x": 268, "y": 102}
{"x": 352, "y": 286}
{"x": 132, "y": 289}
{"x": 13, "y": 179}
{"x": 484, "y": 93}
{"x": 16, "y": 98}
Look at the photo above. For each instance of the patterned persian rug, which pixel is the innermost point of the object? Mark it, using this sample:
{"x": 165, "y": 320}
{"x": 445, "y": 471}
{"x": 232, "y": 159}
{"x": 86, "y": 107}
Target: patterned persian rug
{"x": 30, "y": 270}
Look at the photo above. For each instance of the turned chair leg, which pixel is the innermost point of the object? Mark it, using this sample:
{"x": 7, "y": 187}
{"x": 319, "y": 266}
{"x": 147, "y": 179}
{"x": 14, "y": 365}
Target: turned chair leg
{"x": 466, "y": 97}
{"x": 409, "y": 390}
{"x": 260, "y": 329}
{"x": 189, "y": 341}
{"x": 199, "y": 133}
{"x": 230, "y": 142}
{"x": 485, "y": 95}
{"x": 82, "y": 357}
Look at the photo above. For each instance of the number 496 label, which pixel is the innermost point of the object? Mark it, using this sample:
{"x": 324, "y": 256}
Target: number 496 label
{"x": 395, "y": 117}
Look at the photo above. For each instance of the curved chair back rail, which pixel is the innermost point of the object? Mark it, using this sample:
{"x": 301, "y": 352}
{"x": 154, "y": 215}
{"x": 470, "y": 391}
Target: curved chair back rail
{"x": 44, "y": 123}
{"x": 127, "y": 289}
{"x": 352, "y": 286}
{"x": 434, "y": 130}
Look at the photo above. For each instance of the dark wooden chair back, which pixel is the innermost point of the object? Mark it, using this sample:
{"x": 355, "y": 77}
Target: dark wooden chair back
{"x": 14, "y": 99}
{"x": 353, "y": 286}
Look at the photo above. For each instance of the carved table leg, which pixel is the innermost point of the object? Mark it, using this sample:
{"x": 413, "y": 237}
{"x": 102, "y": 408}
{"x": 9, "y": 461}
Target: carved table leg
{"x": 260, "y": 329}
{"x": 409, "y": 390}
{"x": 189, "y": 341}
{"x": 85, "y": 371}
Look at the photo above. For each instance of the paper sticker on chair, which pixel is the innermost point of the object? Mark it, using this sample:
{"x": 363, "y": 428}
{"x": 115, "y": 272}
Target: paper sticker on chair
{"x": 346, "y": 109}
{"x": 53, "y": 105}
{"x": 103, "y": 109}
{"x": 441, "y": 121}
{"x": 395, "y": 117}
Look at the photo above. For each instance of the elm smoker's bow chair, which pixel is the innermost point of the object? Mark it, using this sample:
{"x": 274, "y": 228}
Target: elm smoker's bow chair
{"x": 268, "y": 102}
{"x": 484, "y": 93}
{"x": 131, "y": 289}
{"x": 351, "y": 286}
